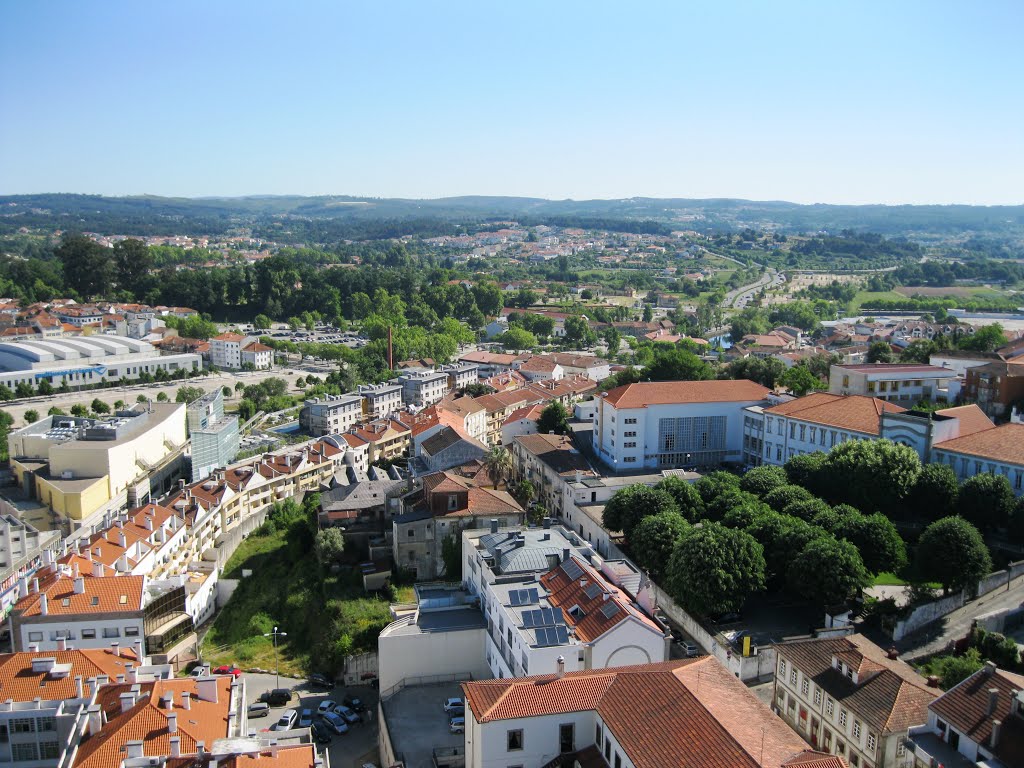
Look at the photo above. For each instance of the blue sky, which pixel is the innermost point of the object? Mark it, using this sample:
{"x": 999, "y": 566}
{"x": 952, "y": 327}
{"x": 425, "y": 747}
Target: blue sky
{"x": 858, "y": 102}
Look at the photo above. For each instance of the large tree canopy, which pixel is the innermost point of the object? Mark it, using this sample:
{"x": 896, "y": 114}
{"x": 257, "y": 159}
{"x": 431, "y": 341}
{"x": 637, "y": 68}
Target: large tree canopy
{"x": 952, "y": 552}
{"x": 628, "y": 507}
{"x": 715, "y": 569}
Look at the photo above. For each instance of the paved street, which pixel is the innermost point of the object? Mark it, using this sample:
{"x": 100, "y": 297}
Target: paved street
{"x": 936, "y": 637}
{"x": 348, "y": 750}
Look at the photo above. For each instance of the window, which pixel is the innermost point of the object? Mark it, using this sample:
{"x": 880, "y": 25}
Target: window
{"x": 782, "y": 667}
{"x": 629, "y": 459}
{"x": 901, "y": 749}
{"x": 629, "y": 445}
{"x": 515, "y": 740}
{"x": 607, "y": 750}
{"x": 35, "y": 637}
{"x": 842, "y": 717}
{"x": 46, "y": 723}
{"x": 618, "y": 760}
{"x": 566, "y": 738}
{"x": 829, "y": 707}
{"x": 817, "y": 697}
{"x": 599, "y": 735}
{"x": 803, "y": 431}
{"x": 872, "y": 740}
{"x": 856, "y": 729}
{"x": 23, "y": 725}
{"x": 24, "y": 751}
{"x": 411, "y": 533}
{"x": 49, "y": 750}
{"x": 854, "y": 760}
{"x": 805, "y": 686}
{"x": 88, "y": 634}
{"x": 792, "y": 676}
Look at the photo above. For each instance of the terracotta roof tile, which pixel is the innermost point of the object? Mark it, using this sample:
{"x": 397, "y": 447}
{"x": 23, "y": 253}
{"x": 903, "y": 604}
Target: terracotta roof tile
{"x": 972, "y": 419}
{"x": 1002, "y": 443}
{"x": 20, "y": 683}
{"x": 678, "y": 392}
{"x": 855, "y": 412}
{"x": 965, "y": 706}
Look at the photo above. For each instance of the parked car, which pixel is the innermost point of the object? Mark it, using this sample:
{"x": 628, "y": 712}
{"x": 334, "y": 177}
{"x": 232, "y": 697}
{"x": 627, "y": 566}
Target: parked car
{"x": 259, "y": 709}
{"x": 347, "y": 714}
{"x": 305, "y": 718}
{"x": 228, "y": 669}
{"x": 201, "y": 671}
{"x": 321, "y": 733}
{"x": 277, "y": 697}
{"x": 451, "y": 704}
{"x": 689, "y": 648}
{"x": 457, "y": 712}
{"x": 730, "y": 617}
{"x": 320, "y": 681}
{"x": 457, "y": 725}
{"x": 335, "y": 723}
{"x": 325, "y": 706}
{"x": 288, "y": 718}
{"x": 354, "y": 703}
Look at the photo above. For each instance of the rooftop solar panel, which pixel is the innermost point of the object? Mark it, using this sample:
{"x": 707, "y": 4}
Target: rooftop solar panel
{"x": 572, "y": 569}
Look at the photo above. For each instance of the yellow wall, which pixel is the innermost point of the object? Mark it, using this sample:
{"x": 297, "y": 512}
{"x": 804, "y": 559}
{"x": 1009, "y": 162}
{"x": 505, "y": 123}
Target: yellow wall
{"x": 77, "y": 505}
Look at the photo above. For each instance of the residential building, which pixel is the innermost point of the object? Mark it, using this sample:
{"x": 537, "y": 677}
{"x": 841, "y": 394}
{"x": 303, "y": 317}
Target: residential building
{"x": 548, "y": 462}
{"x": 214, "y": 436}
{"x": 539, "y": 368}
{"x": 226, "y": 350}
{"x": 545, "y": 595}
{"x": 673, "y": 714}
{"x": 448, "y": 447}
{"x": 673, "y": 424}
{"x": 998, "y": 451}
{"x": 817, "y": 422}
{"x": 900, "y": 383}
{"x": 86, "y": 360}
{"x": 996, "y": 387}
{"x": 257, "y": 356}
{"x": 386, "y": 439}
{"x": 23, "y": 549}
{"x": 446, "y": 504}
{"x": 848, "y": 697}
{"x": 522, "y": 421}
{"x": 460, "y": 374}
{"x": 82, "y": 467}
{"x": 48, "y": 697}
{"x": 331, "y": 414}
{"x": 568, "y": 390}
{"x": 490, "y": 363}
{"x": 501, "y": 405}
{"x": 421, "y": 388}
{"x": 925, "y": 431}
{"x": 979, "y": 721}
{"x": 380, "y": 400}
{"x": 363, "y": 502}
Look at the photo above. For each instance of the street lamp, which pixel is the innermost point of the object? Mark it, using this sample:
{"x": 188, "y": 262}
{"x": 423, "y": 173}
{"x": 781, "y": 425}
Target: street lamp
{"x": 277, "y": 666}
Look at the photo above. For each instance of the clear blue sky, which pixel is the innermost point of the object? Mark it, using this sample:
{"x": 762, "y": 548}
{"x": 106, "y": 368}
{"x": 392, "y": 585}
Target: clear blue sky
{"x": 820, "y": 101}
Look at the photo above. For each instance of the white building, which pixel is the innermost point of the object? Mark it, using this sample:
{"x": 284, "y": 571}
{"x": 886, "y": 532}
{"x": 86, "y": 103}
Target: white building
{"x": 895, "y": 382}
{"x": 331, "y": 414}
{"x": 380, "y": 400}
{"x": 460, "y": 374}
{"x": 998, "y": 451}
{"x": 257, "y": 356}
{"x": 673, "y": 423}
{"x": 675, "y": 714}
{"x": 226, "y": 350}
{"x": 23, "y": 550}
{"x": 423, "y": 387}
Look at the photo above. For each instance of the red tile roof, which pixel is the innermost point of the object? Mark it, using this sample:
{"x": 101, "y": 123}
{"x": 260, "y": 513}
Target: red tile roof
{"x": 20, "y": 683}
{"x": 113, "y": 594}
{"x": 229, "y": 337}
{"x": 679, "y": 392}
{"x": 965, "y": 706}
{"x": 898, "y": 368}
{"x": 972, "y": 419}
{"x": 689, "y": 713}
{"x": 1003, "y": 443}
{"x": 855, "y": 412}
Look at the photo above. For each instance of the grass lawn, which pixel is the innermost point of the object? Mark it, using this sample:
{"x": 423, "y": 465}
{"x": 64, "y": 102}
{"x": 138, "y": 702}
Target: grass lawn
{"x": 863, "y": 296}
{"x": 886, "y": 579}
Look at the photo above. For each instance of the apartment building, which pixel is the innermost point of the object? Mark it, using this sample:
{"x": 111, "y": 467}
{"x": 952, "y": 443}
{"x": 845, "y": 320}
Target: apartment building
{"x": 548, "y": 462}
{"x": 895, "y": 382}
{"x": 996, "y": 386}
{"x": 421, "y": 388}
{"x": 257, "y": 356}
{"x": 81, "y": 468}
{"x": 998, "y": 451}
{"x": 460, "y": 374}
{"x": 979, "y": 721}
{"x": 464, "y": 412}
{"x": 590, "y": 366}
{"x": 501, "y": 405}
{"x": 214, "y": 436}
{"x": 850, "y": 698}
{"x": 385, "y": 439}
{"x": 380, "y": 400}
{"x": 673, "y": 424}
{"x": 818, "y": 422}
{"x": 226, "y": 350}
{"x": 23, "y": 549}
{"x": 687, "y": 712}
{"x": 331, "y": 414}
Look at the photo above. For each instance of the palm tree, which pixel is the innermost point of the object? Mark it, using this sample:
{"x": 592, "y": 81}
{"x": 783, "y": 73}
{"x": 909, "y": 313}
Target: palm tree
{"x": 498, "y": 462}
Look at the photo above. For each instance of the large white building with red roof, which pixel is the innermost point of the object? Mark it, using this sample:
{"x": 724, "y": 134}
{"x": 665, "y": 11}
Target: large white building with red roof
{"x": 689, "y": 713}
{"x": 900, "y": 383}
{"x": 669, "y": 424}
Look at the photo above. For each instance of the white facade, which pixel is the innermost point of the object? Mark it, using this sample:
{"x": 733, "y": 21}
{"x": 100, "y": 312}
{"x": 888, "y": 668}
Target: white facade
{"x": 423, "y": 388}
{"x": 258, "y": 356}
{"x": 226, "y": 350}
{"x": 380, "y": 400}
{"x": 460, "y": 374}
{"x": 904, "y": 384}
{"x": 775, "y": 439}
{"x": 331, "y": 414}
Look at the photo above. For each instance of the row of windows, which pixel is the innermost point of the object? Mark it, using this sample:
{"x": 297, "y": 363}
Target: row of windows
{"x": 86, "y": 634}
{"x": 830, "y": 705}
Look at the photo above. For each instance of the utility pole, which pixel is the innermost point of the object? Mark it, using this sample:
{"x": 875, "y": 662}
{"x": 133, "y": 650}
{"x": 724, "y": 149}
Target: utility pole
{"x": 277, "y": 666}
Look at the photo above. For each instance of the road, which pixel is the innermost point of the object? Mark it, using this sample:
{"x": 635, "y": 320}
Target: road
{"x": 936, "y": 637}
{"x": 741, "y": 296}
{"x": 110, "y": 395}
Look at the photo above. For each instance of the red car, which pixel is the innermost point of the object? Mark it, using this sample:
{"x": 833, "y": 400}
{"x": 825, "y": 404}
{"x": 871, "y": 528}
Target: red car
{"x": 228, "y": 669}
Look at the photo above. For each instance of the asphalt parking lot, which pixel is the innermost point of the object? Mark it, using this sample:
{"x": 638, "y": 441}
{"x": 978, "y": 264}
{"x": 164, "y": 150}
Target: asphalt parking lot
{"x": 418, "y": 723}
{"x": 348, "y": 750}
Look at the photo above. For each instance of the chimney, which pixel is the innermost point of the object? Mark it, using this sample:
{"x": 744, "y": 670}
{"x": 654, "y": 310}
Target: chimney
{"x": 172, "y": 723}
{"x": 122, "y": 679}
{"x": 149, "y": 523}
{"x": 494, "y": 525}
{"x": 140, "y": 656}
{"x": 115, "y": 648}
{"x": 132, "y": 673}
{"x": 33, "y": 648}
{"x": 583, "y": 583}
{"x": 43, "y": 607}
{"x": 561, "y": 666}
{"x": 200, "y": 747}
{"x": 167, "y": 700}
{"x": 175, "y": 746}
{"x": 133, "y": 749}
{"x": 79, "y": 585}
{"x": 127, "y": 700}
{"x": 74, "y": 570}
{"x": 62, "y": 643}
{"x": 35, "y": 586}
{"x": 996, "y": 725}
{"x": 206, "y": 689}
{"x": 993, "y": 699}
{"x": 892, "y": 653}
{"x": 79, "y": 688}
{"x": 186, "y": 700}
{"x": 95, "y": 719}
{"x": 22, "y": 587}
{"x": 606, "y": 597}
{"x": 547, "y": 522}
{"x": 97, "y": 568}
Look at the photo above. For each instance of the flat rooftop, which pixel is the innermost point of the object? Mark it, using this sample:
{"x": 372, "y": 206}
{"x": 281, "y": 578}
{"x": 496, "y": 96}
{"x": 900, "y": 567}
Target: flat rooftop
{"x": 418, "y": 724}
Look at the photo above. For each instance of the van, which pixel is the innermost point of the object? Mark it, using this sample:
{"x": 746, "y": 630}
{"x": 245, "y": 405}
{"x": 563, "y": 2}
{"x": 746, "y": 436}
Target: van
{"x": 259, "y": 709}
{"x": 457, "y": 725}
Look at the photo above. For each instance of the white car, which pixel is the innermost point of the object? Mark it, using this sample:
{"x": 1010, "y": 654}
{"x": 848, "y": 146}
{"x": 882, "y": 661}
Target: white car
{"x": 453, "y": 703}
{"x": 325, "y": 706}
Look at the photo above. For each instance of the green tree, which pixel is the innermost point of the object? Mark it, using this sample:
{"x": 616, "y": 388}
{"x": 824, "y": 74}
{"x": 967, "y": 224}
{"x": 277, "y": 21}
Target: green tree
{"x": 783, "y": 538}
{"x": 1015, "y": 525}
{"x": 654, "y": 538}
{"x": 808, "y": 470}
{"x": 986, "y": 339}
{"x": 715, "y": 569}
{"x": 517, "y": 339}
{"x": 827, "y": 571}
{"x": 524, "y": 492}
{"x": 162, "y": 397}
{"x": 31, "y": 416}
{"x": 806, "y": 509}
{"x": 88, "y": 266}
{"x": 935, "y": 492}
{"x": 676, "y": 363}
{"x": 687, "y": 498}
{"x": 554, "y": 419}
{"x": 799, "y": 380}
{"x": 578, "y": 332}
{"x": 952, "y": 670}
{"x": 23, "y": 390}
{"x": 498, "y": 462}
{"x": 451, "y": 556}
{"x": 44, "y": 388}
{"x": 189, "y": 394}
{"x": 133, "y": 261}
{"x": 986, "y": 501}
{"x": 79, "y": 410}
{"x": 55, "y": 411}
{"x": 613, "y": 339}
{"x": 262, "y": 323}
{"x": 880, "y": 545}
{"x": 952, "y": 552}
{"x": 763, "y": 480}
{"x": 329, "y": 546}
{"x": 628, "y": 507}
{"x": 98, "y": 406}
{"x": 880, "y": 352}
{"x": 715, "y": 484}
{"x": 785, "y": 495}
{"x": 872, "y": 474}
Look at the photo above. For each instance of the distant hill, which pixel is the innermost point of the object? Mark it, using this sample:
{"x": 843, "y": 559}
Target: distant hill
{"x": 340, "y": 216}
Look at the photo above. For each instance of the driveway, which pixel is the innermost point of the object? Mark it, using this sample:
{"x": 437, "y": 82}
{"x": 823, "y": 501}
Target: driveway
{"x": 349, "y": 750}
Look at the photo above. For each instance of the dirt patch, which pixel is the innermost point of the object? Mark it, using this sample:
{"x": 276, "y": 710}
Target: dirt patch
{"x": 962, "y": 292}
